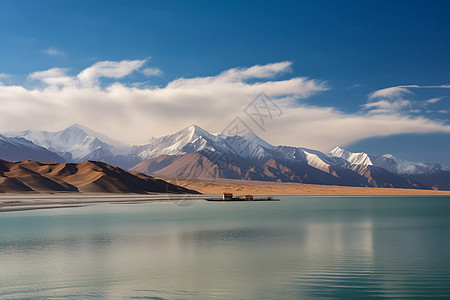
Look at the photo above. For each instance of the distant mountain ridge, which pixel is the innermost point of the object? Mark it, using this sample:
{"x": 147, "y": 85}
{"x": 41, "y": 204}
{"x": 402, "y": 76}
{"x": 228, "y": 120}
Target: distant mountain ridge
{"x": 17, "y": 148}
{"x": 194, "y": 152}
{"x": 77, "y": 143}
{"x": 388, "y": 162}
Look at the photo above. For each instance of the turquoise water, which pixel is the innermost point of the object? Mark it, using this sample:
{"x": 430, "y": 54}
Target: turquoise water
{"x": 298, "y": 248}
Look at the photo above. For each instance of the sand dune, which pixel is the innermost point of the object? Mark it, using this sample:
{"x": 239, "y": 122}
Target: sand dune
{"x": 218, "y": 186}
{"x": 88, "y": 176}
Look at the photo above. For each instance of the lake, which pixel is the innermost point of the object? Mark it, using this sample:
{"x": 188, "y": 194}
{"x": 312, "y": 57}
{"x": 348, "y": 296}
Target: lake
{"x": 298, "y": 248}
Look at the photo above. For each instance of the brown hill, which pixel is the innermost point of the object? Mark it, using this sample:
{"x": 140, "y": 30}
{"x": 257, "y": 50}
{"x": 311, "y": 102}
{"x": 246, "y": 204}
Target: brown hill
{"x": 88, "y": 176}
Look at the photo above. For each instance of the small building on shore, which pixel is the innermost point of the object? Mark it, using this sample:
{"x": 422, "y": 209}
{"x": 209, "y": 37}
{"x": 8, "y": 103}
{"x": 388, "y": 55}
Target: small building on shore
{"x": 227, "y": 196}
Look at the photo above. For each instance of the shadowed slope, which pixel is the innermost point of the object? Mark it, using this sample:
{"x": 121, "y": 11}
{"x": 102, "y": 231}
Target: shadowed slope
{"x": 88, "y": 176}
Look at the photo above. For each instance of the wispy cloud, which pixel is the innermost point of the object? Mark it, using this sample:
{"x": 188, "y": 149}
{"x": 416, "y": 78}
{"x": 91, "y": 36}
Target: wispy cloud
{"x": 151, "y": 72}
{"x": 354, "y": 86}
{"x": 4, "y": 75}
{"x": 52, "y": 51}
{"x": 433, "y": 100}
{"x": 389, "y": 93}
{"x": 264, "y": 71}
{"x": 397, "y": 91}
{"x": 109, "y": 69}
{"x": 397, "y": 99}
{"x": 384, "y": 106}
{"x": 88, "y": 77}
{"x": 54, "y": 76}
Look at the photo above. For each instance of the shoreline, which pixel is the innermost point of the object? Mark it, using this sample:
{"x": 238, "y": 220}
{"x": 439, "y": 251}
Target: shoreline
{"x": 23, "y": 202}
{"x": 209, "y": 188}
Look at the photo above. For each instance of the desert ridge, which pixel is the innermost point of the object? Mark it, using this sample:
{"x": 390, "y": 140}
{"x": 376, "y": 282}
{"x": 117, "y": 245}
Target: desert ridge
{"x": 88, "y": 177}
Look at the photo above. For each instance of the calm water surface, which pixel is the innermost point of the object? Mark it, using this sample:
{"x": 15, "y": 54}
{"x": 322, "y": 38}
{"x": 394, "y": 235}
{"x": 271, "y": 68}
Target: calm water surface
{"x": 298, "y": 248}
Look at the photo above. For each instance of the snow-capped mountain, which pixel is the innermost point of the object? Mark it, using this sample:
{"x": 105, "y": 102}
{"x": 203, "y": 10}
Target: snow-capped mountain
{"x": 430, "y": 174}
{"x": 21, "y": 149}
{"x": 194, "y": 139}
{"x": 248, "y": 146}
{"x": 194, "y": 152}
{"x": 75, "y": 143}
{"x": 387, "y": 161}
{"x": 188, "y": 140}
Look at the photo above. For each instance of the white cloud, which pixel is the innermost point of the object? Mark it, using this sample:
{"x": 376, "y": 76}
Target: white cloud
{"x": 53, "y": 52}
{"x": 389, "y": 93}
{"x": 151, "y": 72}
{"x": 354, "y": 86}
{"x": 109, "y": 69}
{"x": 134, "y": 113}
{"x": 54, "y": 76}
{"x": 400, "y": 90}
{"x": 324, "y": 128}
{"x": 391, "y": 100}
{"x": 89, "y": 76}
{"x": 265, "y": 71}
{"x": 384, "y": 106}
{"x": 4, "y": 76}
{"x": 433, "y": 100}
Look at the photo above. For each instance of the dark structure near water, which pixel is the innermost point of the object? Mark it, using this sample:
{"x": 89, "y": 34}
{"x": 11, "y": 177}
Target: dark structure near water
{"x": 229, "y": 197}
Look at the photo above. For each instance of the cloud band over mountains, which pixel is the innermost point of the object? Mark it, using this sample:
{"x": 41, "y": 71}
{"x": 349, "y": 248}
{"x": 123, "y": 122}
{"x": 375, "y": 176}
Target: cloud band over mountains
{"x": 133, "y": 112}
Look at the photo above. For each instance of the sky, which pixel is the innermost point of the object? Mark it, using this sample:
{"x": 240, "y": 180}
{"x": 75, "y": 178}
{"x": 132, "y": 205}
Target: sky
{"x": 371, "y": 76}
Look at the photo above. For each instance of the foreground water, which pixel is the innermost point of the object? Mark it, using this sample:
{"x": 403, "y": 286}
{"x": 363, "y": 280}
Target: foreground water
{"x": 298, "y": 248}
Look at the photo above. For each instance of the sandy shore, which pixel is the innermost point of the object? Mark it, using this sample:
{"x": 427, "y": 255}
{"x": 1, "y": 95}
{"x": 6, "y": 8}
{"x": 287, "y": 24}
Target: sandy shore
{"x": 209, "y": 187}
{"x": 19, "y": 202}
{"x": 218, "y": 186}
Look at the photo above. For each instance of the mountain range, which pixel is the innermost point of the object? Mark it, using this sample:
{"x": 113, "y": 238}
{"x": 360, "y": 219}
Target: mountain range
{"x": 194, "y": 152}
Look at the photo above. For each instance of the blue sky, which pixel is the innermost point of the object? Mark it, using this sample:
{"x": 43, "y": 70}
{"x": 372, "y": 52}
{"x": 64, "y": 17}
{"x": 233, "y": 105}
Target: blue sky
{"x": 348, "y": 49}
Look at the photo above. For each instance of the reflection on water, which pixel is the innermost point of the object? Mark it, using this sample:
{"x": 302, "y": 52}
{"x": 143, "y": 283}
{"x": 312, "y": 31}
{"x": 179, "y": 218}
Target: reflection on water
{"x": 299, "y": 248}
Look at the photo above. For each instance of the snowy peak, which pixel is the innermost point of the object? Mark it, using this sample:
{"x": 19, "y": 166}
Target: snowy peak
{"x": 195, "y": 131}
{"x": 100, "y": 136}
{"x": 249, "y": 136}
{"x": 187, "y": 135}
{"x": 340, "y": 152}
{"x": 188, "y": 140}
{"x": 194, "y": 139}
{"x": 360, "y": 158}
{"x": 74, "y": 140}
{"x": 387, "y": 161}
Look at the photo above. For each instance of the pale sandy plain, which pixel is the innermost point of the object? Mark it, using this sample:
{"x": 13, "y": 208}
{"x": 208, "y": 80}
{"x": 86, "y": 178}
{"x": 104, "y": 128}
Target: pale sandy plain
{"x": 242, "y": 187}
{"x": 209, "y": 188}
{"x": 29, "y": 201}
